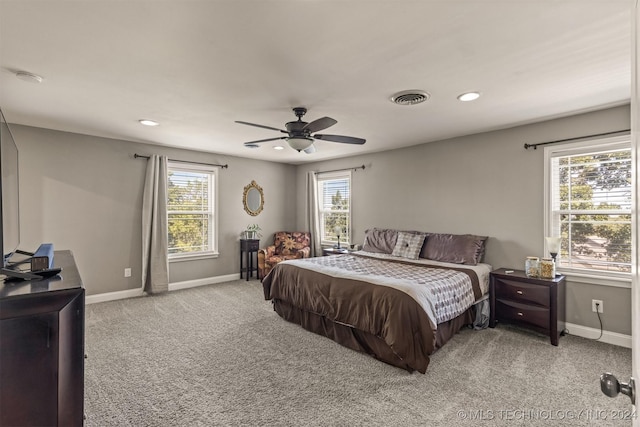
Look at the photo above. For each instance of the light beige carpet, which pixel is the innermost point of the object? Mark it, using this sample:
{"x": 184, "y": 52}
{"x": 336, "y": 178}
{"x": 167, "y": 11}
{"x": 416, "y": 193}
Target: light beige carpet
{"x": 219, "y": 355}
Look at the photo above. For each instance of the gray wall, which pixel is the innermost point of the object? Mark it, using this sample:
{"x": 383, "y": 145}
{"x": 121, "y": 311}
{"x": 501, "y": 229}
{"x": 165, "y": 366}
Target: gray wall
{"x": 85, "y": 193}
{"x": 485, "y": 184}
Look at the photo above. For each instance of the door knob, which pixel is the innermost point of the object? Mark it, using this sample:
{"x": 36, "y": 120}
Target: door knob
{"x": 610, "y": 386}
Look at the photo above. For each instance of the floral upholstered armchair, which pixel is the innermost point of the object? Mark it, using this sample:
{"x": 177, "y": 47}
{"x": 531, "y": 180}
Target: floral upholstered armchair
{"x": 286, "y": 245}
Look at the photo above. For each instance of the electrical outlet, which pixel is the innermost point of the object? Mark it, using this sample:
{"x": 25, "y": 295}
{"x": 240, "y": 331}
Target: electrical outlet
{"x": 597, "y": 306}
{"x": 127, "y": 272}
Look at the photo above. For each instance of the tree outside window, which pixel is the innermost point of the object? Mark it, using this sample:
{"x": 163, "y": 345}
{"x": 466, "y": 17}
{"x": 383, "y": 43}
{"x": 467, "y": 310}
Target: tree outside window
{"x": 190, "y": 211}
{"x": 591, "y": 207}
{"x": 334, "y": 193}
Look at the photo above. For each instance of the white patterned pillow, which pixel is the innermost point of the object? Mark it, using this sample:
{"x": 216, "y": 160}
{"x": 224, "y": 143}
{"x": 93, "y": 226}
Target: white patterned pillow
{"x": 408, "y": 245}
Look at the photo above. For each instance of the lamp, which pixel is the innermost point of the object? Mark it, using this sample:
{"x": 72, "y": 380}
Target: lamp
{"x": 338, "y": 231}
{"x": 553, "y": 244}
{"x": 299, "y": 143}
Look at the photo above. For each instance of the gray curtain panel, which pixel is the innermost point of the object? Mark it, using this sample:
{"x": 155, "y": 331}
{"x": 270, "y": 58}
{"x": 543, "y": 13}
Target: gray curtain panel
{"x": 312, "y": 214}
{"x": 155, "y": 257}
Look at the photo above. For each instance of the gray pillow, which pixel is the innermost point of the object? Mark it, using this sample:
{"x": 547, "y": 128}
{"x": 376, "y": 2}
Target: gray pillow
{"x": 380, "y": 240}
{"x": 455, "y": 248}
{"x": 408, "y": 245}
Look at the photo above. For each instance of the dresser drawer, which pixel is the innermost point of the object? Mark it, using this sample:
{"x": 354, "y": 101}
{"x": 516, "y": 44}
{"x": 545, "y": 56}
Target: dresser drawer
{"x": 522, "y": 292}
{"x": 533, "y": 315}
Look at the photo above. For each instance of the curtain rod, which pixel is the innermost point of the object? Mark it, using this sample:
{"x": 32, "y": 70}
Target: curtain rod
{"x": 340, "y": 170}
{"x": 139, "y": 156}
{"x": 535, "y": 146}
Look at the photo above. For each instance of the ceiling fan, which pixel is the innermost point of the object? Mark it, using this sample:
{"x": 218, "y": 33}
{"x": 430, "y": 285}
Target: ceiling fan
{"x": 299, "y": 133}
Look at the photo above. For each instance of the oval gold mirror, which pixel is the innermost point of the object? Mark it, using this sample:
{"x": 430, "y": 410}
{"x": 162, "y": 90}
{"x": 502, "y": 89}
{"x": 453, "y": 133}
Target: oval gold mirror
{"x": 253, "y": 199}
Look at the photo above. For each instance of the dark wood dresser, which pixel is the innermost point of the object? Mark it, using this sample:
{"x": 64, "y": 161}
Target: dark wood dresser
{"x": 533, "y": 302}
{"x": 42, "y": 349}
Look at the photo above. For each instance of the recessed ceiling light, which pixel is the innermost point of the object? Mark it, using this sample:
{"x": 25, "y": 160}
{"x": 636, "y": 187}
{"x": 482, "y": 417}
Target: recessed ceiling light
{"x": 148, "y": 122}
{"x": 278, "y": 147}
{"x": 469, "y": 96}
{"x": 28, "y": 77}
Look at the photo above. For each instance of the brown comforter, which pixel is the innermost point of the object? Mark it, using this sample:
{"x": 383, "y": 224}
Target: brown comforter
{"x": 384, "y": 314}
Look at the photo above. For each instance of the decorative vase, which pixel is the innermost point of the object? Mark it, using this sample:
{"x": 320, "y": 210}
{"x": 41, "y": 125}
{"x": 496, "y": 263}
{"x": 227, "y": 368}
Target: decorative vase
{"x": 547, "y": 268}
{"x": 531, "y": 266}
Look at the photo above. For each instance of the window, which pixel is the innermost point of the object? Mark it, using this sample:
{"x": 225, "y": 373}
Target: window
{"x": 334, "y": 204}
{"x": 589, "y": 206}
{"x": 191, "y": 210}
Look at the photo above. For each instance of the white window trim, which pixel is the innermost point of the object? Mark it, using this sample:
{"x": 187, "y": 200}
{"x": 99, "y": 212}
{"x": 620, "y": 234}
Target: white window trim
{"x": 325, "y": 176}
{"x": 193, "y": 257}
{"x": 622, "y": 280}
{"x": 213, "y": 170}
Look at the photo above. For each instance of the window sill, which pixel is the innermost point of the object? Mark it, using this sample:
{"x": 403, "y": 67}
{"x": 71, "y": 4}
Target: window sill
{"x": 614, "y": 281}
{"x": 332, "y": 244}
{"x": 193, "y": 257}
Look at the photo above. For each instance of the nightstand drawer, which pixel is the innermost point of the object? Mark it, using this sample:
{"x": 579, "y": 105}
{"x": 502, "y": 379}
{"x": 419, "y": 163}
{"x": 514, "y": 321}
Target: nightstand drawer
{"x": 250, "y": 245}
{"x": 514, "y": 296}
{"x": 537, "y": 316}
{"x": 522, "y": 292}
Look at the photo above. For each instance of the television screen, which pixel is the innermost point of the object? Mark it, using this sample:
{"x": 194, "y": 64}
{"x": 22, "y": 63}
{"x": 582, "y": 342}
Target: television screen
{"x": 9, "y": 212}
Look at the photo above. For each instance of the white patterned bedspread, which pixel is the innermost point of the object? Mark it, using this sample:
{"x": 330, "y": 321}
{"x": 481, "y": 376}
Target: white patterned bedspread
{"x": 443, "y": 293}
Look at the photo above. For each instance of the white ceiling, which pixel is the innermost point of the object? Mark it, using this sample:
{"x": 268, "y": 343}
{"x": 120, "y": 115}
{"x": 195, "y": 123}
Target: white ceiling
{"x": 197, "y": 66}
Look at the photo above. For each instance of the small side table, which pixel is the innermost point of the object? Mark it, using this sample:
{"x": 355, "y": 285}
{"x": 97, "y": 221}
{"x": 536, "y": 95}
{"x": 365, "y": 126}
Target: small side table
{"x": 334, "y": 251}
{"x": 533, "y": 302}
{"x": 248, "y": 247}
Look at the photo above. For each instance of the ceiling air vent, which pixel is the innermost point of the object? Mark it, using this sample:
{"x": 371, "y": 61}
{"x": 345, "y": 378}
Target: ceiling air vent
{"x": 410, "y": 97}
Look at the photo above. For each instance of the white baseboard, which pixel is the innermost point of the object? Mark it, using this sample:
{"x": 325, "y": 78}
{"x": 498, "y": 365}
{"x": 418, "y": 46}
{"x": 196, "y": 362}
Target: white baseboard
{"x": 132, "y": 293}
{"x": 202, "y": 282}
{"x": 593, "y": 333}
{"x": 112, "y": 296}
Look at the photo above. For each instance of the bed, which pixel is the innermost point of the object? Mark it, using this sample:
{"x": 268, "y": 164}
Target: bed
{"x": 404, "y": 295}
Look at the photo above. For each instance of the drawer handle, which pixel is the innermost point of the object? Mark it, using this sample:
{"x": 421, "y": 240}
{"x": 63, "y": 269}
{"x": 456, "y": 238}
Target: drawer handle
{"x": 519, "y": 292}
{"x": 520, "y": 313}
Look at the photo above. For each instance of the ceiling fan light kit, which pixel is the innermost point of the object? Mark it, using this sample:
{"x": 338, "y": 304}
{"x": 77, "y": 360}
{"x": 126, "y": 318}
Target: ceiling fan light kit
{"x": 299, "y": 133}
{"x": 300, "y": 144}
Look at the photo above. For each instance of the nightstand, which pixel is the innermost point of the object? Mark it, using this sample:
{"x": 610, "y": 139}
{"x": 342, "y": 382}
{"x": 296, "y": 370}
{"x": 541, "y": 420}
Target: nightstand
{"x": 529, "y": 301}
{"x": 247, "y": 248}
{"x": 334, "y": 251}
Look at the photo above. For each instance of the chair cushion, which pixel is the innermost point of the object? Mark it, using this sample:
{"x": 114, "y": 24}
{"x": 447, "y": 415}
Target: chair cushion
{"x": 273, "y": 260}
{"x": 290, "y": 243}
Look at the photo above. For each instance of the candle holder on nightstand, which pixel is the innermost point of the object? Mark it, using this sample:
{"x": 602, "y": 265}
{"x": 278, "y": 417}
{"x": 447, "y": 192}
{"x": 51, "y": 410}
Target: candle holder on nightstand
{"x": 338, "y": 231}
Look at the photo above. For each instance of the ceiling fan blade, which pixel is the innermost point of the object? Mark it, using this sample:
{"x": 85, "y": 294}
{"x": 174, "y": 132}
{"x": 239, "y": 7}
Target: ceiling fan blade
{"x": 321, "y": 123}
{"x": 264, "y": 140}
{"x": 340, "y": 138}
{"x": 261, "y": 126}
{"x": 310, "y": 150}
